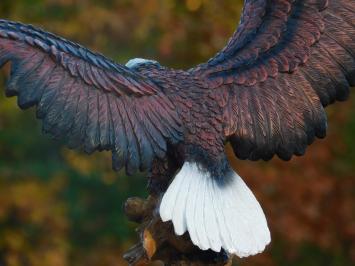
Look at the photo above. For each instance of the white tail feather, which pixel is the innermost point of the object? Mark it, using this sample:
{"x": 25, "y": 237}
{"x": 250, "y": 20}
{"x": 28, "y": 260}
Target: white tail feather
{"x": 216, "y": 216}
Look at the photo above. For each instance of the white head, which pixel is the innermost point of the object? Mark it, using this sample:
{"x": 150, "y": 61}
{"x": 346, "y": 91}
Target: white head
{"x": 133, "y": 63}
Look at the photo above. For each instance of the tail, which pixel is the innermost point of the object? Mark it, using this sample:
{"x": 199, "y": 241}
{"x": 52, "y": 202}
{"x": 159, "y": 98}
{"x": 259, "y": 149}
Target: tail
{"x": 216, "y": 216}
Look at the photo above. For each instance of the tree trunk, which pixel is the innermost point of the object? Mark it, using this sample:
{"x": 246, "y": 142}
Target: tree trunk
{"x": 158, "y": 241}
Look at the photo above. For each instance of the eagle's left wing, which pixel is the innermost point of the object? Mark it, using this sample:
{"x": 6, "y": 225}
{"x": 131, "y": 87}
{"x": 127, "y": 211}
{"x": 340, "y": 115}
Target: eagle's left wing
{"x": 87, "y": 99}
{"x": 287, "y": 60}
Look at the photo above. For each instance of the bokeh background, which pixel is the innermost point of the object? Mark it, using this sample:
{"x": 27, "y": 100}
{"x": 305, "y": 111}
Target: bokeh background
{"x": 59, "y": 207}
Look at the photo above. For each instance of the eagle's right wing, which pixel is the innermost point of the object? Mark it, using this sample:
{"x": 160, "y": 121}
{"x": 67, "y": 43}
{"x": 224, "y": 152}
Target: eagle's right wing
{"x": 86, "y": 99}
{"x": 287, "y": 60}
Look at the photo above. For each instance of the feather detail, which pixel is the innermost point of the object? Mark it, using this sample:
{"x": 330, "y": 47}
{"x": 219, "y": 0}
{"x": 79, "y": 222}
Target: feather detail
{"x": 216, "y": 215}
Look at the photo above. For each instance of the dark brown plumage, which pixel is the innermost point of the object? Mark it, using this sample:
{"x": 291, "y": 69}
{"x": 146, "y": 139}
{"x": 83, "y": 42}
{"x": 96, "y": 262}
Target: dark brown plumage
{"x": 265, "y": 92}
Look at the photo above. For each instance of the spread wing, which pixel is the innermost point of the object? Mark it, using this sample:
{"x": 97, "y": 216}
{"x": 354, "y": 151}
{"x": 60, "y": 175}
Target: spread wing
{"x": 86, "y": 99}
{"x": 287, "y": 60}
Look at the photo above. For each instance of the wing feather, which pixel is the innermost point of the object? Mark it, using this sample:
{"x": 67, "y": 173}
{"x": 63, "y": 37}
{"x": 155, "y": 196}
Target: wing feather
{"x": 80, "y": 122}
{"x": 287, "y": 61}
{"x": 88, "y": 100}
{"x": 55, "y": 110}
{"x": 120, "y": 154}
{"x": 131, "y": 133}
{"x": 104, "y": 122}
{"x": 49, "y": 93}
{"x": 68, "y": 113}
{"x": 92, "y": 129}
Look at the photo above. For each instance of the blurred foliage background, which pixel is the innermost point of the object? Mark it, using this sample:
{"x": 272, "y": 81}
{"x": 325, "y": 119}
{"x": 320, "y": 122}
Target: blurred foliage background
{"x": 59, "y": 207}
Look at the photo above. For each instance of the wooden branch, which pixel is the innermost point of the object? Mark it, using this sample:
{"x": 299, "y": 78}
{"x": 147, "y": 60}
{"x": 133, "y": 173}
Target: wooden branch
{"x": 158, "y": 241}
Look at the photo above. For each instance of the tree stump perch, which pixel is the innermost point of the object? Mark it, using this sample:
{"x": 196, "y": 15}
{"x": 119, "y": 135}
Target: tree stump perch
{"x": 158, "y": 241}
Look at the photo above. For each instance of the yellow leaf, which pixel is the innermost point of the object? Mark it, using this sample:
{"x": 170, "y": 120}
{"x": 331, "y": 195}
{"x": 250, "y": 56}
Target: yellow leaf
{"x": 149, "y": 244}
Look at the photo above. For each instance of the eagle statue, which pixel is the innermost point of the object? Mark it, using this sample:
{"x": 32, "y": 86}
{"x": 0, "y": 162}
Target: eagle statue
{"x": 264, "y": 93}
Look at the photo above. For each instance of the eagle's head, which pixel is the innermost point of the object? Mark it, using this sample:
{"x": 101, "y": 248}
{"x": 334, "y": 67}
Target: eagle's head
{"x": 137, "y": 62}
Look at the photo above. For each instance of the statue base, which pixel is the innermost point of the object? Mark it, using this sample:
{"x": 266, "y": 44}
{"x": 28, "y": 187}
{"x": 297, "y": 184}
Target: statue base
{"x": 158, "y": 241}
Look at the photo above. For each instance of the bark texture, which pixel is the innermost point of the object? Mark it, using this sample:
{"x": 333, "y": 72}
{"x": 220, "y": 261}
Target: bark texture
{"x": 158, "y": 242}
